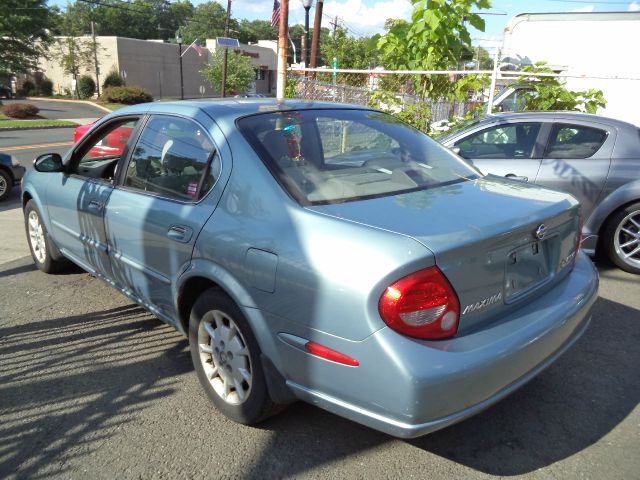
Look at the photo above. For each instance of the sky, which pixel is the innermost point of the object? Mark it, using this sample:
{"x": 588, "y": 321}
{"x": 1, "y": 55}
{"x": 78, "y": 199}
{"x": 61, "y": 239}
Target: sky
{"x": 367, "y": 17}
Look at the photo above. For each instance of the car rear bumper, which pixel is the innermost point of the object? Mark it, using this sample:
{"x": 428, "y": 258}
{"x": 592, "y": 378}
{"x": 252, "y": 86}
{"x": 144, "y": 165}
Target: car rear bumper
{"x": 408, "y": 388}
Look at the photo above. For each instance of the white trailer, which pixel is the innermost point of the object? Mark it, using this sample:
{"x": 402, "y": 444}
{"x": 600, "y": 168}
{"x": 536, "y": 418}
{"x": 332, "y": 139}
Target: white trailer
{"x": 590, "y": 48}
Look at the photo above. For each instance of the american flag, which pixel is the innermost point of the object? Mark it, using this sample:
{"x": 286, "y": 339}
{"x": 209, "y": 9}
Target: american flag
{"x": 275, "y": 15}
{"x": 197, "y": 47}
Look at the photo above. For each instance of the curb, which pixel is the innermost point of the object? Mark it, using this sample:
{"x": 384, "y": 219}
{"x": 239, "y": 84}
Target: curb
{"x": 50, "y": 127}
{"x": 86, "y": 102}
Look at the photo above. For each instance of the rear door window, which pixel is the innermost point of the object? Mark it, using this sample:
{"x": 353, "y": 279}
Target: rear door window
{"x": 574, "y": 141}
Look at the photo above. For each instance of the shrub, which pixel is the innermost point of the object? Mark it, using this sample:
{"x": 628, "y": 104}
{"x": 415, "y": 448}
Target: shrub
{"x": 113, "y": 80}
{"x": 86, "y": 86}
{"x": 46, "y": 87}
{"x": 126, "y": 95}
{"x": 27, "y": 89}
{"x": 20, "y": 110}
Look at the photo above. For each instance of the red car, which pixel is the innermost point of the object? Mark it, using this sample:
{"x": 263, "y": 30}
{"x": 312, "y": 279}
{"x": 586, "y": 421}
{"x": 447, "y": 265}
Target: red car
{"x": 110, "y": 145}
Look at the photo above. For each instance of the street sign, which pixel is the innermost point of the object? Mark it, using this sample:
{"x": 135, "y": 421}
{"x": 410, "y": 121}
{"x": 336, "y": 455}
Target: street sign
{"x": 227, "y": 42}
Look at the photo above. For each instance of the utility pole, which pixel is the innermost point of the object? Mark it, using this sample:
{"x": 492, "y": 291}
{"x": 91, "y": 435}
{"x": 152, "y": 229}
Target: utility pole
{"x": 283, "y": 43}
{"x": 95, "y": 57}
{"x": 225, "y": 57}
{"x": 316, "y": 37}
{"x": 335, "y": 25}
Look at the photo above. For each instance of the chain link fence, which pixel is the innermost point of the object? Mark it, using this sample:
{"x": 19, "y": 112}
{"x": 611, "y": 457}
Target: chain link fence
{"x": 395, "y": 92}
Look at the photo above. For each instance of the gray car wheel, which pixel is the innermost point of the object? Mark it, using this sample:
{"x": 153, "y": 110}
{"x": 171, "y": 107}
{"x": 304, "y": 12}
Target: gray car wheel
{"x": 5, "y": 184}
{"x": 226, "y": 357}
{"x": 622, "y": 237}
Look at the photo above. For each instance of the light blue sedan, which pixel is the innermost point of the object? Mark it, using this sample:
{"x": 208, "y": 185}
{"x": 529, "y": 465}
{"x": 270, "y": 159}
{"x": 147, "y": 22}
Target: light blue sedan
{"x": 321, "y": 252}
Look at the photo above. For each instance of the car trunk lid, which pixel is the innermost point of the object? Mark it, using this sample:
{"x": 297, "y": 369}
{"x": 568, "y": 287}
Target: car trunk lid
{"x": 498, "y": 242}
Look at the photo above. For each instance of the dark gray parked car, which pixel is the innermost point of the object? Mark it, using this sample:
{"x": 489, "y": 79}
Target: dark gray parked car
{"x": 594, "y": 158}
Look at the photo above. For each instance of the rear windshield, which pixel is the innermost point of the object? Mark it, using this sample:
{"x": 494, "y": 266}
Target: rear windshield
{"x": 329, "y": 156}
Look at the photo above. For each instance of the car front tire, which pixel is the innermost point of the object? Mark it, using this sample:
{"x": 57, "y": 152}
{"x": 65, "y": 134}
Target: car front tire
{"x": 226, "y": 357}
{"x": 39, "y": 242}
{"x": 622, "y": 238}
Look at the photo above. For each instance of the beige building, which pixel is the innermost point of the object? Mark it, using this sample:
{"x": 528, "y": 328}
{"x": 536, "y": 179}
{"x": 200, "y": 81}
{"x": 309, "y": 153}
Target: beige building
{"x": 155, "y": 66}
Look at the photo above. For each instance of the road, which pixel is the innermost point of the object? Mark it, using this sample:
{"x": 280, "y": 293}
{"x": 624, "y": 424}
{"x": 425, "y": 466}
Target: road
{"x": 92, "y": 386}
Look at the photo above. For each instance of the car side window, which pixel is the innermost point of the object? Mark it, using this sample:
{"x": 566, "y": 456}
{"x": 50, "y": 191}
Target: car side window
{"x": 515, "y": 140}
{"x": 574, "y": 141}
{"x": 100, "y": 156}
{"x": 171, "y": 159}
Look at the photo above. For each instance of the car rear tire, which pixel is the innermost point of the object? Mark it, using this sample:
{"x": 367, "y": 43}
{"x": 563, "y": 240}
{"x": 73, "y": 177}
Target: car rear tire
{"x": 226, "y": 357}
{"x": 6, "y": 183}
{"x": 39, "y": 242}
{"x": 622, "y": 238}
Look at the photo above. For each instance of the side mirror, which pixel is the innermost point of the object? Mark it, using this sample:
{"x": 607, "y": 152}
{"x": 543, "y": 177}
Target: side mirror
{"x": 49, "y": 162}
{"x": 455, "y": 150}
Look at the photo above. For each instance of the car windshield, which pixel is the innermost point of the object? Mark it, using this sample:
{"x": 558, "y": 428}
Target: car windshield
{"x": 330, "y": 156}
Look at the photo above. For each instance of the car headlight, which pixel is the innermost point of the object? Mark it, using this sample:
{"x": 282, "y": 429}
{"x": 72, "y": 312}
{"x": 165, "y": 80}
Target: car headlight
{"x": 14, "y": 161}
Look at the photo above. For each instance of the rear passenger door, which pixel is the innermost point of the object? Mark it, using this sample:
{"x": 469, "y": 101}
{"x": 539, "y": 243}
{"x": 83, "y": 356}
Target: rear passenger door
{"x": 511, "y": 149}
{"x": 158, "y": 207}
{"x": 577, "y": 159}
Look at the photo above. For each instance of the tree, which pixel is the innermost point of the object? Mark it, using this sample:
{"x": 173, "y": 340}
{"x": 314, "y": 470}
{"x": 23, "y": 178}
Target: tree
{"x": 350, "y": 52}
{"x": 207, "y": 21}
{"x": 23, "y": 34}
{"x": 548, "y": 93}
{"x": 252, "y": 31}
{"x": 240, "y": 72}
{"x": 435, "y": 39}
{"x": 74, "y": 53}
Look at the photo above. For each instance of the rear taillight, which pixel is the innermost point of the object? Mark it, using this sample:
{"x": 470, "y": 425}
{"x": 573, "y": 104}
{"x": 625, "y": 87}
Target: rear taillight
{"x": 421, "y": 305}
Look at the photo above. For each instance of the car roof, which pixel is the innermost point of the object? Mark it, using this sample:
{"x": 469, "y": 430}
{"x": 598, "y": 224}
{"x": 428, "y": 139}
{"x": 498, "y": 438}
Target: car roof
{"x": 232, "y": 108}
{"x": 555, "y": 115}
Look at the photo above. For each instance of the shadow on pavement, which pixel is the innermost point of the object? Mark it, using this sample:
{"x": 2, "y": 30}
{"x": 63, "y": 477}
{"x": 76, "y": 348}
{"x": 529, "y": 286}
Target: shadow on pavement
{"x": 67, "y": 384}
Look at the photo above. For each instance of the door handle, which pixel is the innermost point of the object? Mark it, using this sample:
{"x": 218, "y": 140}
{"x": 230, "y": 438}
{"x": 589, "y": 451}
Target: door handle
{"x": 513, "y": 176}
{"x": 95, "y": 205}
{"x": 179, "y": 233}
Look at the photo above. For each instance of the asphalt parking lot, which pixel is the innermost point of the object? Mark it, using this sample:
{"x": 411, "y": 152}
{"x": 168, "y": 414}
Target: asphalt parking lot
{"x": 92, "y": 386}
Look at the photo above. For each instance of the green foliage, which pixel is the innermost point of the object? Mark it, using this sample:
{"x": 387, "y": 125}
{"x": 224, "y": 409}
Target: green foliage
{"x": 417, "y": 114}
{"x": 113, "y": 79}
{"x": 252, "y": 31}
{"x": 290, "y": 88}
{"x": 548, "y": 93}
{"x": 127, "y": 95}
{"x": 435, "y": 39}
{"x": 20, "y": 110}
{"x": 350, "y": 53}
{"x": 208, "y": 22}
{"x": 23, "y": 33}
{"x": 86, "y": 86}
{"x": 145, "y": 19}
{"x": 240, "y": 72}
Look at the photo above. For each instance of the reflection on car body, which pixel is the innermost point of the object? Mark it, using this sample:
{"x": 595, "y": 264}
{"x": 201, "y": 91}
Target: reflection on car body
{"x": 592, "y": 157}
{"x": 320, "y": 252}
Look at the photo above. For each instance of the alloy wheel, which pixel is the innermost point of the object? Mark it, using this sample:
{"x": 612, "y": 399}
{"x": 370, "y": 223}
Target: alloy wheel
{"x": 36, "y": 237}
{"x": 626, "y": 240}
